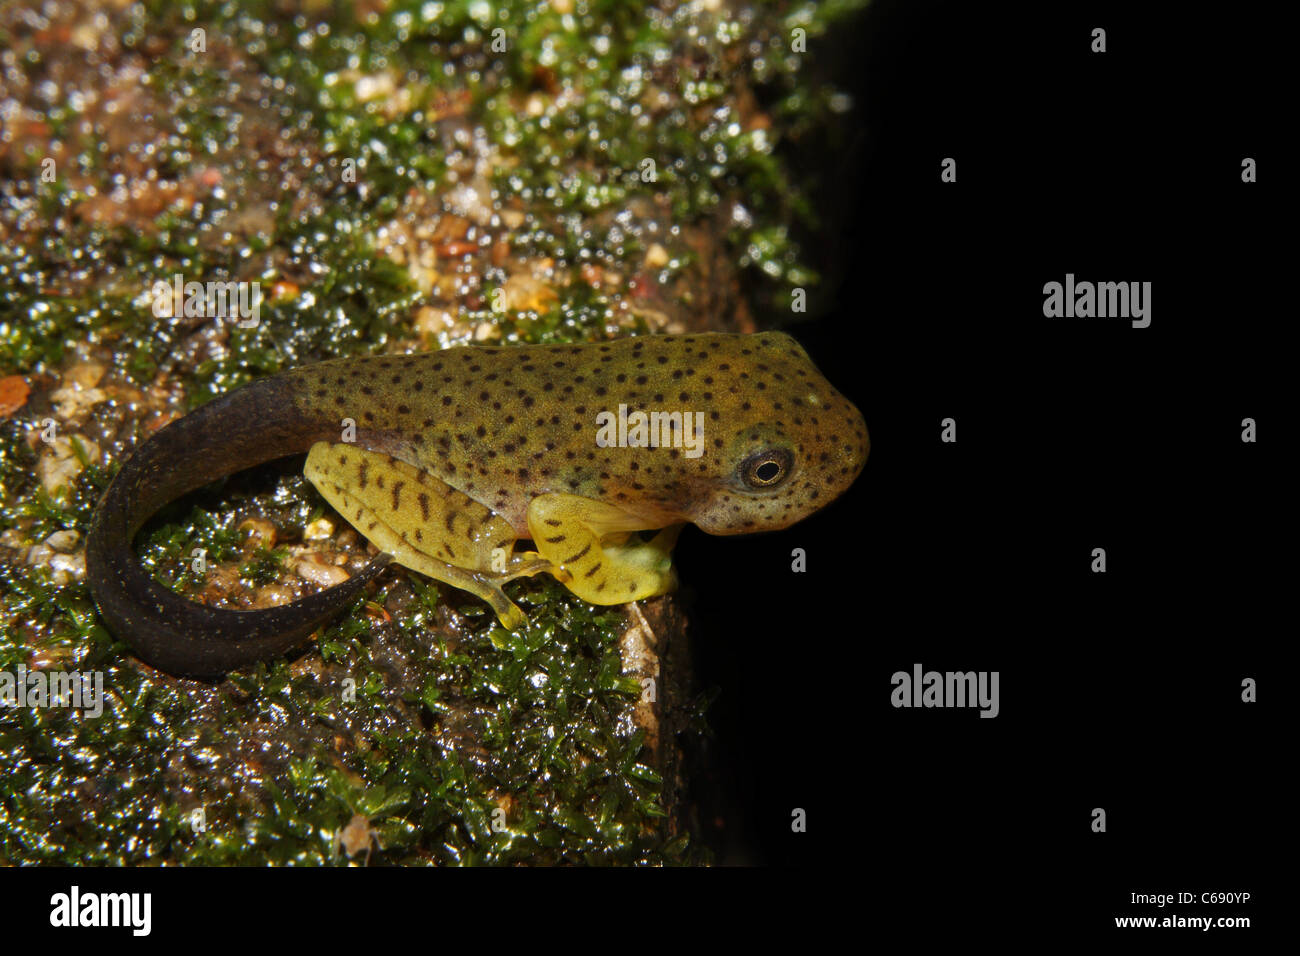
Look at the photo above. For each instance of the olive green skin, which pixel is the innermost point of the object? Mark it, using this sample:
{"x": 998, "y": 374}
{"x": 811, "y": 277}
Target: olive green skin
{"x": 503, "y": 425}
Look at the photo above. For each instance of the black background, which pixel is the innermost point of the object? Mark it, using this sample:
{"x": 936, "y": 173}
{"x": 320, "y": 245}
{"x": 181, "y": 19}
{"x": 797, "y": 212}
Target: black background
{"x": 1121, "y": 690}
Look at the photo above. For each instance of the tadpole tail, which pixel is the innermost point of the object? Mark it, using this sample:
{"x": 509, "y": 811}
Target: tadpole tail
{"x": 252, "y": 425}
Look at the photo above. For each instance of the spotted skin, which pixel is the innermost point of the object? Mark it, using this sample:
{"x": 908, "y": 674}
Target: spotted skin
{"x": 464, "y": 452}
{"x": 448, "y": 460}
{"x": 423, "y": 522}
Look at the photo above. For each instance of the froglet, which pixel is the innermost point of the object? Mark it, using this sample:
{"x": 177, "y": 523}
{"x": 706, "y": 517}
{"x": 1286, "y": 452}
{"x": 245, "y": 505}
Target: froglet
{"x": 451, "y": 462}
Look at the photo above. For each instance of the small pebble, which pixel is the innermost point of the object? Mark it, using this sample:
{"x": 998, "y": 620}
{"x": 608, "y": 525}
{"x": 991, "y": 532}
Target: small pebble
{"x": 262, "y": 529}
{"x": 326, "y": 575}
{"x": 64, "y": 540}
{"x": 272, "y": 595}
{"x": 68, "y": 567}
{"x": 59, "y": 465}
{"x": 318, "y": 529}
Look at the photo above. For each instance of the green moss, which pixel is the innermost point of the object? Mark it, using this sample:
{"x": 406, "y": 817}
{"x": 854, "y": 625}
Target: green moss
{"x": 577, "y": 788}
{"x": 435, "y": 737}
{"x": 358, "y": 305}
{"x": 25, "y": 504}
{"x": 581, "y": 314}
{"x": 414, "y": 709}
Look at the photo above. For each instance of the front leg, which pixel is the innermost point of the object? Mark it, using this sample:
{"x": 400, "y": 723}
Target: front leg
{"x": 595, "y": 546}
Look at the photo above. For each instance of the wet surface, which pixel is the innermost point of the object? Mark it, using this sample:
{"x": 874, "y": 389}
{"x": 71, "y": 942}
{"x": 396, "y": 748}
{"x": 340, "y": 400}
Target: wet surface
{"x": 394, "y": 184}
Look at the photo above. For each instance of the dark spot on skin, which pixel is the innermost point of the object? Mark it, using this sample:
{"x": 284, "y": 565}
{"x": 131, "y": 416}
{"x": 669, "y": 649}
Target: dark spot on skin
{"x": 596, "y": 567}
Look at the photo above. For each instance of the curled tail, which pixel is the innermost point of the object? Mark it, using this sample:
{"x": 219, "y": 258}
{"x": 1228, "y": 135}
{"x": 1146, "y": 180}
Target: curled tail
{"x": 247, "y": 427}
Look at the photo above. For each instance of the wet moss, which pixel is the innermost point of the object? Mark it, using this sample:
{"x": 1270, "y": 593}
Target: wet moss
{"x": 480, "y": 747}
{"x": 457, "y": 742}
{"x": 548, "y": 778}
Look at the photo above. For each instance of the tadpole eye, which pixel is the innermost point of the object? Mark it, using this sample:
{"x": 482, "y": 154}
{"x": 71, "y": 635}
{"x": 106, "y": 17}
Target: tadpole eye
{"x": 766, "y": 469}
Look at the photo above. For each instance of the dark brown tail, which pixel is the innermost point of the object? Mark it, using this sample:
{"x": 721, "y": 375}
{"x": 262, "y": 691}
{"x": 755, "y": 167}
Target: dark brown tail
{"x": 249, "y": 426}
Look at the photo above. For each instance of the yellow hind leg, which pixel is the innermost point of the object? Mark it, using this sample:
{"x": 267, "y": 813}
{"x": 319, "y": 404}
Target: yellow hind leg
{"x": 424, "y": 523}
{"x": 594, "y": 545}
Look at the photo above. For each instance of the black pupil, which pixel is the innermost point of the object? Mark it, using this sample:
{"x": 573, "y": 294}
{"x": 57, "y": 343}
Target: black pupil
{"x": 767, "y": 471}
